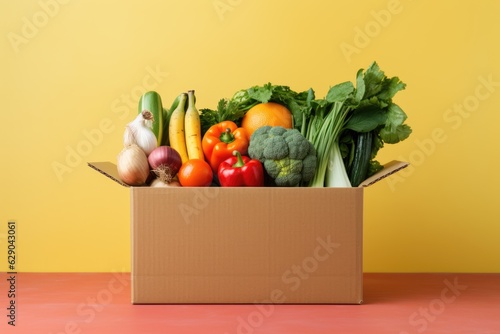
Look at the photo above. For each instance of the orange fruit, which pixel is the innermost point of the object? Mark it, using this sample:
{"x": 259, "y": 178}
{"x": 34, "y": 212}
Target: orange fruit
{"x": 262, "y": 114}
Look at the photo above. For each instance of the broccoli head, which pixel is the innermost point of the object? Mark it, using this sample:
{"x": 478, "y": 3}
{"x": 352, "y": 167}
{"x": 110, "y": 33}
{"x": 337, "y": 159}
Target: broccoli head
{"x": 288, "y": 157}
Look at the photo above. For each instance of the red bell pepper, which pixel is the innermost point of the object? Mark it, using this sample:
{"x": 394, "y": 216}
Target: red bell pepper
{"x": 240, "y": 171}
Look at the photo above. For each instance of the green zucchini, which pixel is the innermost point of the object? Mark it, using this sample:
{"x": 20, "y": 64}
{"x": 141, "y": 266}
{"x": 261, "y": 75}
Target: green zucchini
{"x": 151, "y": 101}
{"x": 362, "y": 157}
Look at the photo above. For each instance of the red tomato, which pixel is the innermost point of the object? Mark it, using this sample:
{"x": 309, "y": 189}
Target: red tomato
{"x": 195, "y": 173}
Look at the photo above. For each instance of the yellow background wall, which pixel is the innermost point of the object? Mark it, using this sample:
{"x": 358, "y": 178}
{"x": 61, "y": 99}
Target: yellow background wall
{"x": 72, "y": 72}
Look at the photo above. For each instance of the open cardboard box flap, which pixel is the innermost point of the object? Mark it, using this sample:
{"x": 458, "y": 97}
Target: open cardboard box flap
{"x": 109, "y": 169}
{"x": 389, "y": 168}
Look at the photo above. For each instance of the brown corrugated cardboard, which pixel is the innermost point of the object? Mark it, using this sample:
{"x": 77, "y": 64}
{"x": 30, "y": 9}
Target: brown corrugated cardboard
{"x": 389, "y": 169}
{"x": 246, "y": 245}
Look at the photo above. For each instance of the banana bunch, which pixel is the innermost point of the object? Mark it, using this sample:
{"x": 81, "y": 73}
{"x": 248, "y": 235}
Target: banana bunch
{"x": 184, "y": 128}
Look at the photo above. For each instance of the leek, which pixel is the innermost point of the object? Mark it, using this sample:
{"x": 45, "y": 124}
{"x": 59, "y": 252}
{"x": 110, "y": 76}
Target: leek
{"x": 324, "y": 133}
{"x": 336, "y": 175}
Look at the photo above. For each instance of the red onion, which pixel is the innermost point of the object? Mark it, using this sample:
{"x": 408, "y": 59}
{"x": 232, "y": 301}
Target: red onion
{"x": 165, "y": 162}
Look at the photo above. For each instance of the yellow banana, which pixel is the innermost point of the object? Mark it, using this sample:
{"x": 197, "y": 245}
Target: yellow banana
{"x": 176, "y": 134}
{"x": 193, "y": 129}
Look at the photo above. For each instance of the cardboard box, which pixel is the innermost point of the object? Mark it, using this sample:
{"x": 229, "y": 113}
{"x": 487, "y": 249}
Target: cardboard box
{"x": 247, "y": 245}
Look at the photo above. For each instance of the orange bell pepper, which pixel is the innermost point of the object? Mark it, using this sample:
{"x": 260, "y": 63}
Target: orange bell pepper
{"x": 221, "y": 140}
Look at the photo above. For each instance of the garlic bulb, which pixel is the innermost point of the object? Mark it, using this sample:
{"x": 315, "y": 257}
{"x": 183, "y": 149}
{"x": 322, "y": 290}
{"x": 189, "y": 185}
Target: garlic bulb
{"x": 139, "y": 132}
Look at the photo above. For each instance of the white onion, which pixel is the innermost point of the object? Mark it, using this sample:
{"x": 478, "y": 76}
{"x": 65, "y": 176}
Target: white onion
{"x": 132, "y": 165}
{"x": 158, "y": 183}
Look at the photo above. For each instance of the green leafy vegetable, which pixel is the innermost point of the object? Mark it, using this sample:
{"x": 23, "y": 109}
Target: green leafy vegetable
{"x": 227, "y": 110}
{"x": 376, "y": 113}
